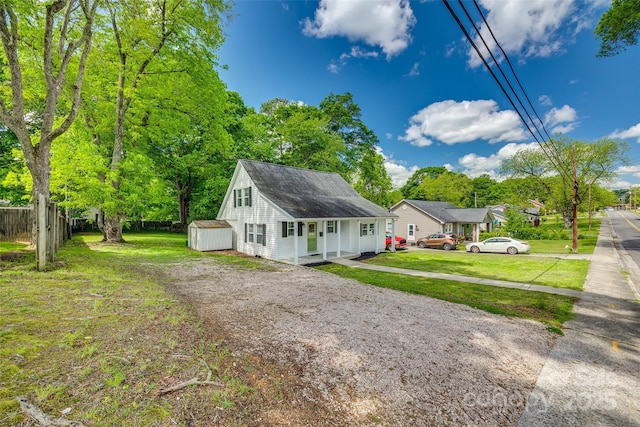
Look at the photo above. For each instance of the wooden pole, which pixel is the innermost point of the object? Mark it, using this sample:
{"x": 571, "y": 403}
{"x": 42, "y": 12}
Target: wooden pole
{"x": 575, "y": 201}
{"x": 41, "y": 234}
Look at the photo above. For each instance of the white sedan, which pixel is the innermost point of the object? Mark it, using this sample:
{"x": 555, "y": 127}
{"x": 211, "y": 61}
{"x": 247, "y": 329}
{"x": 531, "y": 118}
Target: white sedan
{"x": 505, "y": 245}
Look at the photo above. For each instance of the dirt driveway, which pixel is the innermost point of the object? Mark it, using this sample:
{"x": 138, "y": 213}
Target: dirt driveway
{"x": 381, "y": 357}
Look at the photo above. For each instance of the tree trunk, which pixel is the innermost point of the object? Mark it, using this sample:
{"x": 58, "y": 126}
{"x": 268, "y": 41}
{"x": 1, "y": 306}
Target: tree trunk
{"x": 184, "y": 199}
{"x": 112, "y": 231}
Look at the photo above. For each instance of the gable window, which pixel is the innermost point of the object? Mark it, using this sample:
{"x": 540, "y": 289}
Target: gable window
{"x": 331, "y": 226}
{"x": 247, "y": 196}
{"x": 242, "y": 197}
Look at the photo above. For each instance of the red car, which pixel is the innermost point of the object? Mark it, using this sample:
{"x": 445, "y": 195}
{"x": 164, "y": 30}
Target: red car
{"x": 401, "y": 242}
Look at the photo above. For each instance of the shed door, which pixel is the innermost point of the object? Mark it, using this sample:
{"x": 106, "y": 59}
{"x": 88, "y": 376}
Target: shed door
{"x": 312, "y": 239}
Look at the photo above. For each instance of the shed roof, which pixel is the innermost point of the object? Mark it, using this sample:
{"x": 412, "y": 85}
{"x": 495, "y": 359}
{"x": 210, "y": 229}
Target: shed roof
{"x": 305, "y": 193}
{"x": 211, "y": 223}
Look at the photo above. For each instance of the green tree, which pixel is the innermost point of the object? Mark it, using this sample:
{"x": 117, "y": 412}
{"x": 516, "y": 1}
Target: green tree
{"x": 11, "y": 168}
{"x": 552, "y": 175}
{"x": 141, "y": 51}
{"x": 373, "y": 182}
{"x": 485, "y": 191}
{"x": 600, "y": 160}
{"x": 449, "y": 187}
{"x": 45, "y": 49}
{"x": 411, "y": 190}
{"x": 619, "y": 27}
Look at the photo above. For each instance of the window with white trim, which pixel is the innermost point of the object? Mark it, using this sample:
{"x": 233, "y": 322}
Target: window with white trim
{"x": 372, "y": 229}
{"x": 260, "y": 234}
{"x": 250, "y": 232}
{"x": 331, "y": 226}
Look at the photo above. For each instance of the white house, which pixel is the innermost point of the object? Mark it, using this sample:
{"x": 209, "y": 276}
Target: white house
{"x": 300, "y": 216}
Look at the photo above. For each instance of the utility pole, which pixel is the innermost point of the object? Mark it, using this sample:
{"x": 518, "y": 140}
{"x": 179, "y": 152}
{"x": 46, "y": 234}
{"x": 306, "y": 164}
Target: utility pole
{"x": 575, "y": 201}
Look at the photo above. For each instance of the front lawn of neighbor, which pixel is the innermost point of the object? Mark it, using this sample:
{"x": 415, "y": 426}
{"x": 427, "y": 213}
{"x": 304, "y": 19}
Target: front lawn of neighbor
{"x": 546, "y": 271}
{"x": 551, "y": 309}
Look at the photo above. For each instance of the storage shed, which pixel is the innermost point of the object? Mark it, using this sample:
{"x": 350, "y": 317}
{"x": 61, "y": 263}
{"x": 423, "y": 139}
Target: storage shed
{"x": 210, "y": 235}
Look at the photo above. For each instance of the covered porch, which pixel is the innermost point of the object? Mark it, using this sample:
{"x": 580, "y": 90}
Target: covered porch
{"x": 318, "y": 258}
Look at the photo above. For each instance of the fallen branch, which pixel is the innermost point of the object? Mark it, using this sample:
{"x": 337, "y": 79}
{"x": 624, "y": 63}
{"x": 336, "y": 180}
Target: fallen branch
{"x": 45, "y": 420}
{"x": 193, "y": 381}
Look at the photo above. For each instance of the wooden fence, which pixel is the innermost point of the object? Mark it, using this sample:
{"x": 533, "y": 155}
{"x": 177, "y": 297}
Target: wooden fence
{"x": 16, "y": 224}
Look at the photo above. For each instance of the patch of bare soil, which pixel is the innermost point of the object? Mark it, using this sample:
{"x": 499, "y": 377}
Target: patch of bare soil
{"x": 346, "y": 353}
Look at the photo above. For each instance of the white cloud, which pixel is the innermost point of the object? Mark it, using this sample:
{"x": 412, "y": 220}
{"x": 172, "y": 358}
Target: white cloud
{"x": 333, "y": 68}
{"x": 560, "y": 115}
{"x": 545, "y": 100}
{"x": 399, "y": 172}
{"x": 562, "y": 120}
{"x": 532, "y": 28}
{"x": 386, "y": 24}
{"x": 629, "y": 170}
{"x": 415, "y": 70}
{"x": 358, "y": 52}
{"x": 454, "y": 122}
{"x": 632, "y": 132}
{"x": 474, "y": 165}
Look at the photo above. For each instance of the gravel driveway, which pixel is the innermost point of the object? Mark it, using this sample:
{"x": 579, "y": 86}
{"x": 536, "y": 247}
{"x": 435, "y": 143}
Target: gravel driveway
{"x": 373, "y": 353}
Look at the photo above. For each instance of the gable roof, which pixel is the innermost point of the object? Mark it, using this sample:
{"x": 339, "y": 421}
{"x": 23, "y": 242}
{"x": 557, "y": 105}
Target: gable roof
{"x": 446, "y": 212}
{"x": 305, "y": 193}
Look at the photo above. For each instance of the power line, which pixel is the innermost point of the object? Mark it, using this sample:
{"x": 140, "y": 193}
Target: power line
{"x": 548, "y": 148}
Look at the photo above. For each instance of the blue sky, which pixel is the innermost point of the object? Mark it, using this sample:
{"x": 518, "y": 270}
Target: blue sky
{"x": 421, "y": 87}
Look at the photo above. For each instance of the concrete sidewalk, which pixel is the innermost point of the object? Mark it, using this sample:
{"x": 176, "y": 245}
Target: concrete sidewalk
{"x": 458, "y": 278}
{"x": 592, "y": 376}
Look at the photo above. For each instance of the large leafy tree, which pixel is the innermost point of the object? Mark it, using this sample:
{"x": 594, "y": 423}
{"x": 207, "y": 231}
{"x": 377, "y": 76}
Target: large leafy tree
{"x": 142, "y": 49}
{"x": 45, "y": 46}
{"x": 449, "y": 187}
{"x": 411, "y": 190}
{"x": 619, "y": 27}
{"x": 485, "y": 191}
{"x": 373, "y": 182}
{"x": 552, "y": 173}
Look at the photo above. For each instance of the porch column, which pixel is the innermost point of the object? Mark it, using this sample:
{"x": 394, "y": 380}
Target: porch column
{"x": 393, "y": 235}
{"x": 324, "y": 240}
{"x": 359, "y": 234}
{"x": 338, "y": 222}
{"x": 377, "y": 236}
{"x": 295, "y": 243}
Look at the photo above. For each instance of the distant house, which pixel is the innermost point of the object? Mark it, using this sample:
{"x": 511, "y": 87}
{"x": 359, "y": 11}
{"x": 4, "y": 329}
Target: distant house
{"x": 419, "y": 218}
{"x": 300, "y": 216}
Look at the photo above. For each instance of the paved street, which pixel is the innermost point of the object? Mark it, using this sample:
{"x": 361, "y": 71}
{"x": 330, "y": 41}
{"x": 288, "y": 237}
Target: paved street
{"x": 592, "y": 376}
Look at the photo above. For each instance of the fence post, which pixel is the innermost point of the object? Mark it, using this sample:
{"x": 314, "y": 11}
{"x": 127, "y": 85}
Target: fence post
{"x": 52, "y": 227}
{"x": 41, "y": 233}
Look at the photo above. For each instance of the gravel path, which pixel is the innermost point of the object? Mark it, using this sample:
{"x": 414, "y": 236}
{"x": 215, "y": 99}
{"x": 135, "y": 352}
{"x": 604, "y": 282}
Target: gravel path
{"x": 382, "y": 356}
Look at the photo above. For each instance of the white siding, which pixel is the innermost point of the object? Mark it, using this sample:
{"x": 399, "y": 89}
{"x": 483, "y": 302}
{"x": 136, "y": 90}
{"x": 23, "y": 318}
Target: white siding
{"x": 277, "y": 247}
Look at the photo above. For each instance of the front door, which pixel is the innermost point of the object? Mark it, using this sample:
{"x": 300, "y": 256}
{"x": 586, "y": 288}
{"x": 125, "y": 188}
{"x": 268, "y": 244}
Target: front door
{"x": 312, "y": 238}
{"x": 411, "y": 232}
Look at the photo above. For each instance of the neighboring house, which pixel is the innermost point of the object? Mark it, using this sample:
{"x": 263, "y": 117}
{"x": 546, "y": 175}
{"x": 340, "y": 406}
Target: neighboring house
{"x": 419, "y": 218}
{"x": 300, "y": 216}
{"x": 532, "y": 214}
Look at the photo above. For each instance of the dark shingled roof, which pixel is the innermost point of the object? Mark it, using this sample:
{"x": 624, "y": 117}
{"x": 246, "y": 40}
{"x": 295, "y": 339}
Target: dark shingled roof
{"x": 304, "y": 193}
{"x": 448, "y": 213}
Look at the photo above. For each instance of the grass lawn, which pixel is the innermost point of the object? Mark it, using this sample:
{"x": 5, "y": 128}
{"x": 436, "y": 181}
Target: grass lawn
{"x": 102, "y": 336}
{"x": 546, "y": 271}
{"x": 551, "y": 309}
